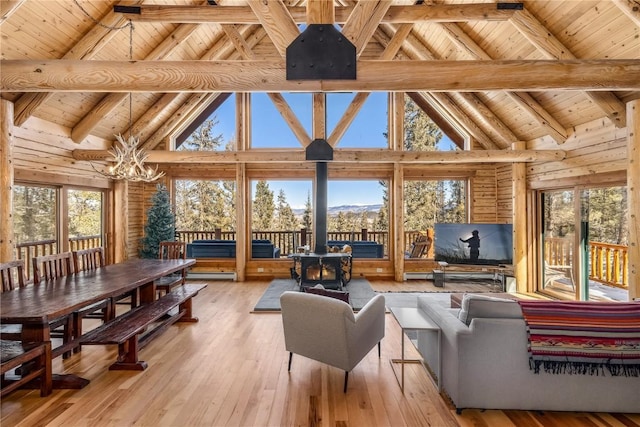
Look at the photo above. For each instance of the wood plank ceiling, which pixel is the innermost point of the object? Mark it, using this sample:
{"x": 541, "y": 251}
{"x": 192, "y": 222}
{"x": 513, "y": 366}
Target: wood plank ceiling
{"x": 502, "y": 72}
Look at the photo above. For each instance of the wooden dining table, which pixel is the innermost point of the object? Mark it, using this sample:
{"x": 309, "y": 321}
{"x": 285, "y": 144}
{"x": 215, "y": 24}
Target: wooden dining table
{"x": 35, "y": 306}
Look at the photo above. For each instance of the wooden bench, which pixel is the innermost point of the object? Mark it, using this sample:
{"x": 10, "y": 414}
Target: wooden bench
{"x": 127, "y": 330}
{"x": 15, "y": 354}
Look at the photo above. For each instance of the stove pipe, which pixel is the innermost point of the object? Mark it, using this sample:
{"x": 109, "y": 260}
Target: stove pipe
{"x": 320, "y": 151}
{"x": 320, "y": 206}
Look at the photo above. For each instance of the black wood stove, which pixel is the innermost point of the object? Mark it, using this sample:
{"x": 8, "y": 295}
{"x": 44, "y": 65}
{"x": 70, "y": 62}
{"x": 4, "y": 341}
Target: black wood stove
{"x": 332, "y": 270}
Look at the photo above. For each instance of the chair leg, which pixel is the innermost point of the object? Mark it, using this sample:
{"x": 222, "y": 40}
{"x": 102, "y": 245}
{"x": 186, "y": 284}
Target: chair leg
{"x": 290, "y": 357}
{"x": 379, "y": 350}
{"x": 346, "y": 380}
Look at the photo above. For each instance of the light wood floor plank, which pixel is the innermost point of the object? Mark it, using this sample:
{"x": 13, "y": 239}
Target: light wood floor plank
{"x": 230, "y": 369}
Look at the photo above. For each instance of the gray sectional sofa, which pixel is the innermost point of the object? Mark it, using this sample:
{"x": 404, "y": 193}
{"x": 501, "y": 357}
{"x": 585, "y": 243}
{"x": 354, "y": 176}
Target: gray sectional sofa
{"x": 227, "y": 249}
{"x": 485, "y": 364}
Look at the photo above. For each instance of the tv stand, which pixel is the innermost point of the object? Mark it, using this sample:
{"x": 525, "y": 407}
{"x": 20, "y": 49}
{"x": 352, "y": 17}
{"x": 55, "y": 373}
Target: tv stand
{"x": 499, "y": 272}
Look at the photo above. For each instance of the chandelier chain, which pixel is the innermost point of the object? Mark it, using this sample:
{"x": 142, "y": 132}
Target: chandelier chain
{"x": 127, "y": 157}
{"x": 95, "y": 21}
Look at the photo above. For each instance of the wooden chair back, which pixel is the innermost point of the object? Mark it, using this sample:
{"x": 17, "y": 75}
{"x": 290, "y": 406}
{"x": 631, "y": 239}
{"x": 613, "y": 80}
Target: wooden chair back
{"x": 172, "y": 250}
{"x": 12, "y": 273}
{"x": 421, "y": 246}
{"x": 47, "y": 267}
{"x": 88, "y": 259}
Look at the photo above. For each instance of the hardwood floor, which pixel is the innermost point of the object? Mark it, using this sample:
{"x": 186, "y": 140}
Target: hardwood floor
{"x": 230, "y": 369}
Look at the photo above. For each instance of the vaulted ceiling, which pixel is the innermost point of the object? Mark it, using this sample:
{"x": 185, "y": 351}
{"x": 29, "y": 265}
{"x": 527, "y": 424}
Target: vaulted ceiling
{"x": 505, "y": 72}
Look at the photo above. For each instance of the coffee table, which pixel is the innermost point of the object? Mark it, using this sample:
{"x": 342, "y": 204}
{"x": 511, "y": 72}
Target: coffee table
{"x": 414, "y": 319}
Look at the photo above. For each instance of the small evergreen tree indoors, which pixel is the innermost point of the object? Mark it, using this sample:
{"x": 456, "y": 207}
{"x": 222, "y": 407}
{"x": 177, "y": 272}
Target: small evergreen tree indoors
{"x": 160, "y": 223}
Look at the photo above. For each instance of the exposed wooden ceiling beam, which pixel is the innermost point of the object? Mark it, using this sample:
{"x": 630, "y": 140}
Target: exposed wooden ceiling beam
{"x": 481, "y": 114}
{"x": 320, "y": 12}
{"x": 110, "y": 102}
{"x": 444, "y": 102}
{"x": 545, "y": 120}
{"x": 363, "y": 22}
{"x": 277, "y": 21}
{"x": 339, "y": 156}
{"x": 86, "y": 48}
{"x": 270, "y": 76}
{"x": 395, "y": 14}
{"x": 534, "y": 31}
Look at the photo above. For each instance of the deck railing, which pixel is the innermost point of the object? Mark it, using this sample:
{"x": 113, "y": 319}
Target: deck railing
{"x": 608, "y": 262}
{"x": 287, "y": 241}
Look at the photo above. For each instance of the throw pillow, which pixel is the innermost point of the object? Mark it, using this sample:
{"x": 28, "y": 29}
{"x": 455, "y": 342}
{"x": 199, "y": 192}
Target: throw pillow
{"x": 481, "y": 306}
{"x": 320, "y": 290}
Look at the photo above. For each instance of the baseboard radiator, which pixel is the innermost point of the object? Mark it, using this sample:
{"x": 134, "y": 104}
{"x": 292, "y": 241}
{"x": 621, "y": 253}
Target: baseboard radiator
{"x": 418, "y": 276}
{"x": 212, "y": 276}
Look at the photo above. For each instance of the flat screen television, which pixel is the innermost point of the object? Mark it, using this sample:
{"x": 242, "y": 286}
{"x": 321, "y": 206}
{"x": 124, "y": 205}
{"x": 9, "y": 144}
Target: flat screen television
{"x": 478, "y": 244}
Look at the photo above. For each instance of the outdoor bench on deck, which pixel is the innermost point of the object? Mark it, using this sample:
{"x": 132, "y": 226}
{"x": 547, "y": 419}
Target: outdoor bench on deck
{"x": 125, "y": 330}
{"x": 15, "y": 354}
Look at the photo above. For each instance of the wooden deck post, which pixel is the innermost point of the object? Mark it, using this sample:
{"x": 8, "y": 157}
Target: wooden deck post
{"x": 633, "y": 195}
{"x": 6, "y": 183}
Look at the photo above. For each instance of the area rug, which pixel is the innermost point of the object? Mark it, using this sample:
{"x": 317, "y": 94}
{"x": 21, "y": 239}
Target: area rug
{"x": 360, "y": 292}
{"x": 583, "y": 337}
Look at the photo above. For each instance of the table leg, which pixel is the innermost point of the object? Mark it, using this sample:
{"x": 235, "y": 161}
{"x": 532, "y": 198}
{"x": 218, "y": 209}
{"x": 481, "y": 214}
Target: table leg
{"x": 42, "y": 333}
{"x": 147, "y": 293}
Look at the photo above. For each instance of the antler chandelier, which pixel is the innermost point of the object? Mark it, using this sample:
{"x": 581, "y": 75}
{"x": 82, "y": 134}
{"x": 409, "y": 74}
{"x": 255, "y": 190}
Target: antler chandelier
{"x": 127, "y": 157}
{"x": 129, "y": 162}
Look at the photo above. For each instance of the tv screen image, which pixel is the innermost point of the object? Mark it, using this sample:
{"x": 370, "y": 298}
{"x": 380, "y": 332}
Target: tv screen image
{"x": 482, "y": 244}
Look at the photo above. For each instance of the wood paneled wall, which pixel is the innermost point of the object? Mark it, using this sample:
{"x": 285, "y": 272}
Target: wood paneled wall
{"x": 596, "y": 147}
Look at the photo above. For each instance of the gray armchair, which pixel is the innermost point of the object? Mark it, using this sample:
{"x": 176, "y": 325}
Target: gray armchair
{"x": 326, "y": 329}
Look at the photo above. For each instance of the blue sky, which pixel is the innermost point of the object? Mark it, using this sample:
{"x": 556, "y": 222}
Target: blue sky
{"x": 269, "y": 130}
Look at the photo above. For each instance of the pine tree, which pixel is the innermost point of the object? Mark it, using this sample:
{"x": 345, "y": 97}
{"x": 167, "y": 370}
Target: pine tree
{"x": 285, "y": 219}
{"x": 308, "y": 214}
{"x": 263, "y": 207}
{"x": 160, "y": 223}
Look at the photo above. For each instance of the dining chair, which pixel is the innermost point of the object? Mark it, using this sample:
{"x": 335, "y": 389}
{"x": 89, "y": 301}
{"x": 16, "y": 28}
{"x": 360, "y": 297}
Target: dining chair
{"x": 171, "y": 250}
{"x": 12, "y": 273}
{"x": 49, "y": 267}
{"x": 86, "y": 260}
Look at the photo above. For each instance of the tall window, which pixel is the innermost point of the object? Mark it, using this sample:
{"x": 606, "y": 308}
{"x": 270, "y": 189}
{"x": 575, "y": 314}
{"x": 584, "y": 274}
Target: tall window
{"x": 34, "y": 213}
{"x": 42, "y": 225}
{"x": 427, "y": 202}
{"x": 369, "y": 128}
{"x": 269, "y": 129}
{"x": 215, "y": 132}
{"x": 280, "y": 210}
{"x": 358, "y": 210}
{"x": 204, "y": 206}
{"x": 85, "y": 218}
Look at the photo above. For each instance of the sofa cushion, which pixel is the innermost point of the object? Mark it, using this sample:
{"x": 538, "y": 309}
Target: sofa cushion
{"x": 481, "y": 306}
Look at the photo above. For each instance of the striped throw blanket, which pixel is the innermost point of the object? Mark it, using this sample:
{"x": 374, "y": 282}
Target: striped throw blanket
{"x": 583, "y": 337}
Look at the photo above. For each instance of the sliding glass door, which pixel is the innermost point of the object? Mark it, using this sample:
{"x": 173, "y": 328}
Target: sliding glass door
{"x": 584, "y": 243}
